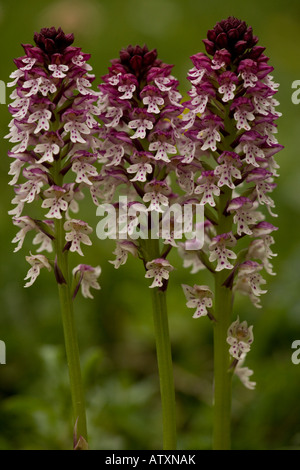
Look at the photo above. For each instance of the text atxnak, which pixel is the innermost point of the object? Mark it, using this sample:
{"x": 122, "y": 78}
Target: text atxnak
{"x": 154, "y": 459}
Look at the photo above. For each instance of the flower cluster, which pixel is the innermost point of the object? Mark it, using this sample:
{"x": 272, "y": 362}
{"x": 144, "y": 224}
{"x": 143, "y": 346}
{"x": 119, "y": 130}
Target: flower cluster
{"x": 54, "y": 130}
{"x": 140, "y": 105}
{"x": 229, "y": 131}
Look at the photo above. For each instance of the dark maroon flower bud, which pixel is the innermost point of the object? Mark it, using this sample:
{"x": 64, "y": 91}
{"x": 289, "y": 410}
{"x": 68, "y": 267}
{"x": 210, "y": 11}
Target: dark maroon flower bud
{"x": 138, "y": 60}
{"x": 53, "y": 41}
{"x": 231, "y": 34}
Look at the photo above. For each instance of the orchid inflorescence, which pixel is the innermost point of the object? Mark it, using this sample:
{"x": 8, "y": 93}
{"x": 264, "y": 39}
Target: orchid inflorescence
{"x": 56, "y": 136}
{"x": 231, "y": 126}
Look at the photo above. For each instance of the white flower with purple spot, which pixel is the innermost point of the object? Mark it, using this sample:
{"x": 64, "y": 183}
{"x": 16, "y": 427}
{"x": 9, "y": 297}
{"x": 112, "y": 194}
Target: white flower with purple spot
{"x": 141, "y": 126}
{"x": 54, "y": 199}
{"x": 245, "y": 214}
{"x": 159, "y": 269}
{"x": 227, "y": 169}
{"x": 37, "y": 262}
{"x": 240, "y": 338}
{"x": 206, "y": 186}
{"x": 123, "y": 248}
{"x": 199, "y": 297}
{"x": 58, "y": 70}
{"x": 87, "y": 277}
{"x": 77, "y": 233}
{"x": 248, "y": 281}
{"x": 220, "y": 252}
{"x": 25, "y": 224}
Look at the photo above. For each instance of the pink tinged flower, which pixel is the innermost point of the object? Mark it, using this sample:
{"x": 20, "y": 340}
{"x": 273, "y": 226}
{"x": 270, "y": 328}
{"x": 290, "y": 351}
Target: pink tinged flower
{"x": 162, "y": 150}
{"x": 87, "y": 278}
{"x": 72, "y": 195}
{"x": 37, "y": 262}
{"x": 264, "y": 105}
{"x": 54, "y": 200}
{"x": 15, "y": 168}
{"x": 221, "y": 59}
{"x": 20, "y": 133}
{"x": 34, "y": 85}
{"x": 267, "y": 129}
{"x": 46, "y": 86}
{"x": 127, "y": 90}
{"x": 261, "y": 189}
{"x": 268, "y": 80}
{"x": 158, "y": 269}
{"x": 84, "y": 171}
{"x": 263, "y": 229}
{"x": 121, "y": 252}
{"x": 42, "y": 116}
{"x": 76, "y": 128}
{"x": 248, "y": 281}
{"x": 187, "y": 149}
{"x": 190, "y": 259}
{"x": 220, "y": 253}
{"x": 263, "y": 185}
{"x": 128, "y": 218}
{"x": 80, "y": 61}
{"x": 199, "y": 102}
{"x": 155, "y": 193}
{"x": 17, "y": 211}
{"x": 206, "y": 186}
{"x": 58, "y": 70}
{"x": 227, "y": 169}
{"x": 16, "y": 75}
{"x": 252, "y": 152}
{"x": 141, "y": 126}
{"x": 115, "y": 115}
{"x": 25, "y": 224}
{"x": 19, "y": 108}
{"x": 227, "y": 81}
{"x": 140, "y": 170}
{"x": 247, "y": 70}
{"x": 243, "y": 113}
{"x": 114, "y": 154}
{"x": 210, "y": 135}
{"x": 44, "y": 241}
{"x": 29, "y": 61}
{"x": 153, "y": 102}
{"x": 175, "y": 97}
{"x": 156, "y": 199}
{"x": 114, "y": 80}
{"x": 185, "y": 179}
{"x": 260, "y": 249}
{"x": 199, "y": 297}
{"x": 47, "y": 150}
{"x": 244, "y": 373}
{"x": 82, "y": 85}
{"x": 36, "y": 178}
{"x": 240, "y": 338}
{"x": 195, "y": 75}
{"x": 78, "y": 232}
{"x": 163, "y": 83}
{"x": 245, "y": 214}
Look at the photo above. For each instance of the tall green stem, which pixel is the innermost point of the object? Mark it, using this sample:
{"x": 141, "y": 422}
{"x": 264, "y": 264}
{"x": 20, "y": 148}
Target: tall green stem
{"x": 68, "y": 322}
{"x": 222, "y": 314}
{"x": 164, "y": 355}
{"x": 222, "y": 376}
{"x": 165, "y": 368}
{"x": 70, "y": 337}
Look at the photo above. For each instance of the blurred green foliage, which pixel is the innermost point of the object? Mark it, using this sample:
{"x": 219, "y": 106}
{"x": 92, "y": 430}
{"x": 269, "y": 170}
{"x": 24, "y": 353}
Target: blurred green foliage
{"x": 115, "y": 330}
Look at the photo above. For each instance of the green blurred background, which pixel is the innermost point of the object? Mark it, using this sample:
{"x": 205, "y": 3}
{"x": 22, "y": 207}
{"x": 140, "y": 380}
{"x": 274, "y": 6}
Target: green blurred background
{"x": 115, "y": 329}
